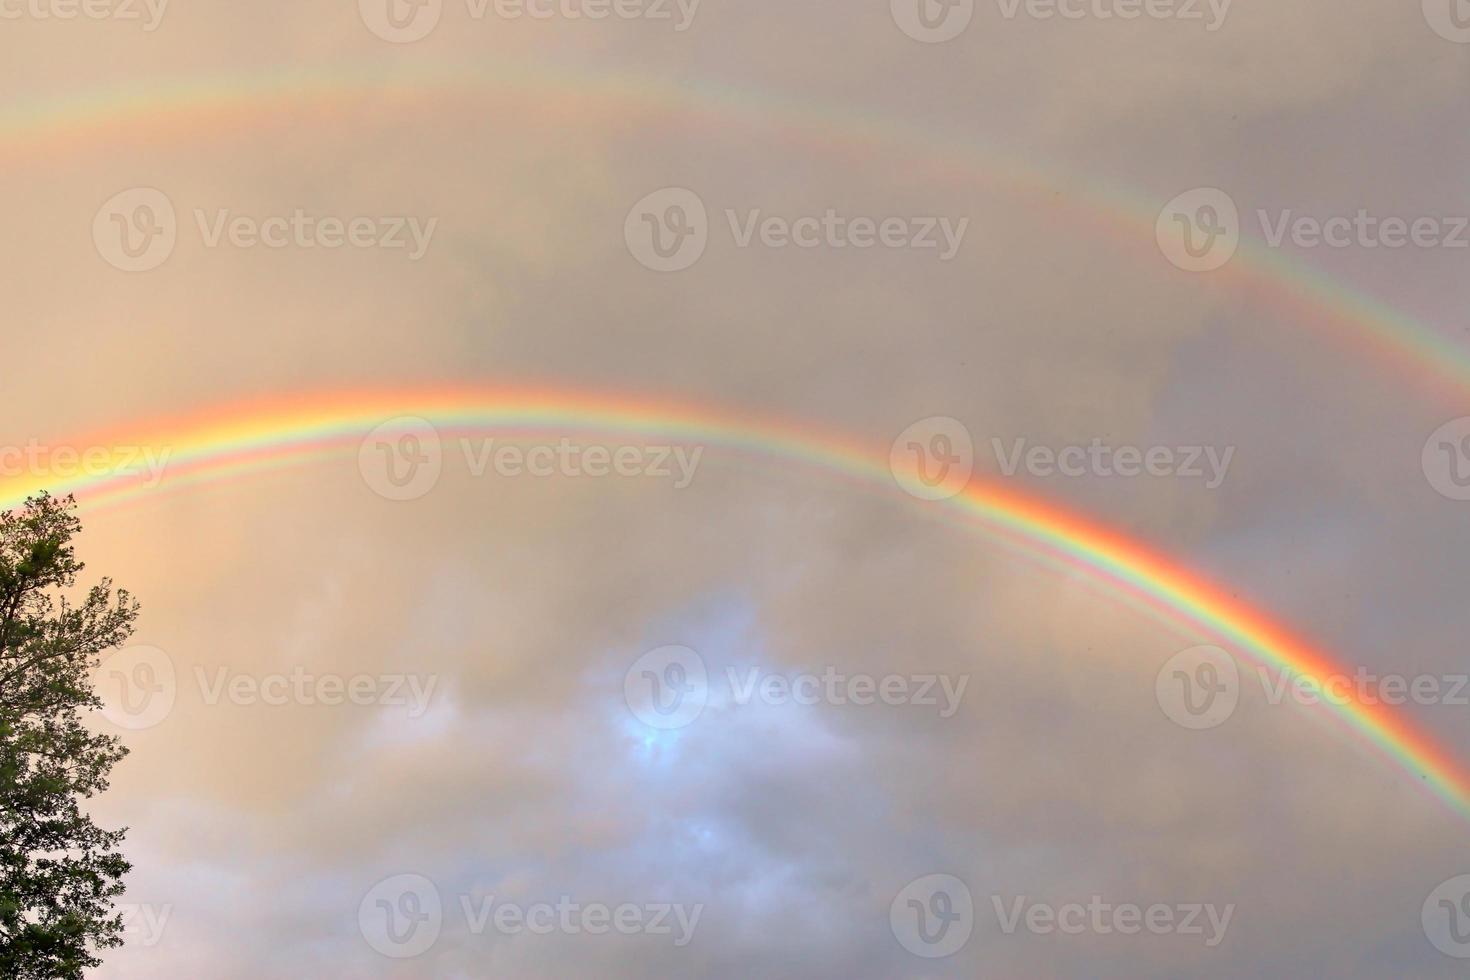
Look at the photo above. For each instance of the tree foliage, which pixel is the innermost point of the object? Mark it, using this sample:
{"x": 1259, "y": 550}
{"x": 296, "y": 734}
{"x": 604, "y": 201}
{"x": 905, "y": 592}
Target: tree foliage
{"x": 59, "y": 872}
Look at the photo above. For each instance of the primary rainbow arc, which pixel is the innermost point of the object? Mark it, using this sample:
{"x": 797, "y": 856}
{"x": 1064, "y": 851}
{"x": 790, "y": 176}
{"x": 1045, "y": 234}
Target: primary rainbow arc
{"x": 244, "y": 439}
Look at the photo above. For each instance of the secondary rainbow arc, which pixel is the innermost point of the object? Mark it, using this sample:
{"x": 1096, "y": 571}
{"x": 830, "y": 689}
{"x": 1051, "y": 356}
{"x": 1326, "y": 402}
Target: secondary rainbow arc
{"x": 1126, "y": 213}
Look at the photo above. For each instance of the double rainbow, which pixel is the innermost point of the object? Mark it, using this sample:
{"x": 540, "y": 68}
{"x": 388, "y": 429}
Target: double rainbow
{"x": 295, "y": 430}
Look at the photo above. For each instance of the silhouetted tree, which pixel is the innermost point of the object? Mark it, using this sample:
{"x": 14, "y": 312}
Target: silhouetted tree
{"x": 59, "y": 872}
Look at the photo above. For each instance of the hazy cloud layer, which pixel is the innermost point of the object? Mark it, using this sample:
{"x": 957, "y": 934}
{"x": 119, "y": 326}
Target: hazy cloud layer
{"x": 517, "y": 605}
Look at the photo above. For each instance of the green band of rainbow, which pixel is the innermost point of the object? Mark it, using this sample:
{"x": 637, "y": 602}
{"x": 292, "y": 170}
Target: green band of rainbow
{"x": 243, "y": 439}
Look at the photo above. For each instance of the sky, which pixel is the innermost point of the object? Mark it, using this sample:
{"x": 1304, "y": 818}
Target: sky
{"x": 582, "y": 585}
